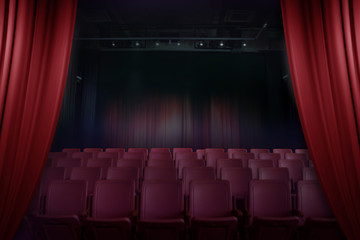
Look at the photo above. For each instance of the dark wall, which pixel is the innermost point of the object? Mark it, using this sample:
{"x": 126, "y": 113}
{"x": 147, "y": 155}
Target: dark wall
{"x": 178, "y": 99}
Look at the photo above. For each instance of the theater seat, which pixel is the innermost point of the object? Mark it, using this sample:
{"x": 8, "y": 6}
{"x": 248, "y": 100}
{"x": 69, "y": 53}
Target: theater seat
{"x": 274, "y": 173}
{"x": 243, "y": 156}
{"x": 317, "y": 218}
{"x": 161, "y": 211}
{"x": 185, "y": 155}
{"x": 65, "y": 205}
{"x": 255, "y": 164}
{"x": 271, "y": 211}
{"x": 178, "y": 150}
{"x": 231, "y": 151}
{"x": 222, "y": 163}
{"x": 160, "y": 173}
{"x": 282, "y": 151}
{"x": 213, "y": 156}
{"x": 239, "y": 179}
{"x": 182, "y": 163}
{"x": 113, "y": 211}
{"x": 256, "y": 151}
{"x": 210, "y": 211}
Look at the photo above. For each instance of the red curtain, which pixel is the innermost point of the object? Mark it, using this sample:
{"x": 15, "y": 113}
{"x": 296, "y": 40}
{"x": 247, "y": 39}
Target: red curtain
{"x": 35, "y": 45}
{"x": 323, "y": 44}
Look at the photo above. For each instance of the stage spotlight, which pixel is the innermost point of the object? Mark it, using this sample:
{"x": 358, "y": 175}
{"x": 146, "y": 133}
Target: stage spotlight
{"x": 137, "y": 44}
{"x": 178, "y": 43}
{"x": 244, "y": 44}
{"x": 221, "y": 44}
{"x": 113, "y": 43}
{"x": 157, "y": 43}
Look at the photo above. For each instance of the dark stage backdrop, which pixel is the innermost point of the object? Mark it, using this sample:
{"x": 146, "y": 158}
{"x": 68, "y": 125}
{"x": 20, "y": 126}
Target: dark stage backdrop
{"x": 178, "y": 99}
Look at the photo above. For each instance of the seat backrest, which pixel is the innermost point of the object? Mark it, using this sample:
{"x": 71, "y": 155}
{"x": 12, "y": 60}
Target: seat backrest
{"x": 207, "y": 150}
{"x": 84, "y": 156}
{"x": 230, "y": 151}
{"x": 89, "y": 174}
{"x": 309, "y": 174}
{"x": 270, "y": 156}
{"x": 66, "y": 197}
{"x": 185, "y": 155}
{"x": 188, "y": 163}
{"x": 196, "y": 173}
{"x": 143, "y": 150}
{"x": 135, "y": 155}
{"x": 159, "y": 149}
{"x": 113, "y": 155}
{"x": 50, "y": 174}
{"x": 210, "y": 199}
{"x": 92, "y": 150}
{"x": 244, "y": 156}
{"x": 212, "y": 157}
{"x": 124, "y": 173}
{"x": 312, "y": 201}
{"x": 256, "y": 151}
{"x": 160, "y": 156}
{"x": 103, "y": 163}
{"x": 68, "y": 164}
{"x": 273, "y": 173}
{"x": 177, "y": 150}
{"x": 220, "y": 163}
{"x": 239, "y": 179}
{"x": 160, "y": 173}
{"x": 138, "y": 163}
{"x": 295, "y": 168}
{"x": 270, "y": 198}
{"x": 298, "y": 156}
{"x": 160, "y": 163}
{"x": 255, "y": 164}
{"x": 119, "y": 150}
{"x": 113, "y": 199}
{"x": 282, "y": 151}
{"x": 161, "y": 200}
{"x": 200, "y": 153}
{"x": 69, "y": 151}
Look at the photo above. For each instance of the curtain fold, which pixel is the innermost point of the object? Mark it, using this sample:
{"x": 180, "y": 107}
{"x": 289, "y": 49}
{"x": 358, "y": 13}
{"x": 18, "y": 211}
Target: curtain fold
{"x": 323, "y": 45}
{"x": 35, "y": 45}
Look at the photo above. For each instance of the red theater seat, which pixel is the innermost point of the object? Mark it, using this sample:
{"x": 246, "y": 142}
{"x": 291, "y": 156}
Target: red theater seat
{"x": 210, "y": 210}
{"x": 244, "y": 156}
{"x": 239, "y": 179}
{"x": 113, "y": 155}
{"x": 230, "y": 151}
{"x": 138, "y": 163}
{"x": 186, "y": 155}
{"x": 135, "y": 155}
{"x": 113, "y": 211}
{"x": 161, "y": 210}
{"x": 143, "y": 150}
{"x": 273, "y": 173}
{"x": 319, "y": 222}
{"x": 125, "y": 173}
{"x": 160, "y": 156}
{"x": 159, "y": 150}
{"x": 282, "y": 151}
{"x": 68, "y": 164}
{"x": 89, "y": 174}
{"x": 255, "y": 164}
{"x": 309, "y": 174}
{"x": 84, "y": 156}
{"x": 271, "y": 211}
{"x": 103, "y": 163}
{"x": 221, "y": 163}
{"x": 270, "y": 156}
{"x": 178, "y": 150}
{"x": 213, "y": 156}
{"x": 182, "y": 163}
{"x": 65, "y": 202}
{"x": 196, "y": 173}
{"x": 256, "y": 151}
{"x": 160, "y": 173}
